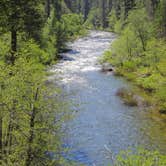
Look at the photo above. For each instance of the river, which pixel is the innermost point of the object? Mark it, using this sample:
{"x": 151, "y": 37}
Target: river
{"x": 101, "y": 120}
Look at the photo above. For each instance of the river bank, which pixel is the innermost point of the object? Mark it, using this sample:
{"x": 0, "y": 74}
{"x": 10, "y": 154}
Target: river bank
{"x": 135, "y": 95}
{"x": 145, "y": 73}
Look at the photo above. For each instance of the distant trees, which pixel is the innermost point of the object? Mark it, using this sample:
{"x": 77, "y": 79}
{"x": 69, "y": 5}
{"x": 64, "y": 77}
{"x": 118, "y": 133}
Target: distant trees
{"x": 48, "y": 7}
{"x": 104, "y": 8}
{"x": 128, "y": 5}
{"x": 162, "y": 17}
{"x": 86, "y": 9}
{"x": 58, "y": 8}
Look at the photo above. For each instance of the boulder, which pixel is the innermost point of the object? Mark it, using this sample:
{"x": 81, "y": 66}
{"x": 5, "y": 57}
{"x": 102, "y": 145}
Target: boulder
{"x": 107, "y": 67}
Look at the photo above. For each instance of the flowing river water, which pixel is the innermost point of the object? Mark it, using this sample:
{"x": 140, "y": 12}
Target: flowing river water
{"x": 101, "y": 121}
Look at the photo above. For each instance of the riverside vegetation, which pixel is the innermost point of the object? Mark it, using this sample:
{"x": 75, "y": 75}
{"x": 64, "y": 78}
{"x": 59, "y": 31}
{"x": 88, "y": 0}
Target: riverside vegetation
{"x": 33, "y": 33}
{"x": 139, "y": 53}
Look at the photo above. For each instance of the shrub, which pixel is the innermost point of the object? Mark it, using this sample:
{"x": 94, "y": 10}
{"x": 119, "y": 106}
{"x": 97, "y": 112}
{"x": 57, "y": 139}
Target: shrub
{"x": 112, "y": 20}
{"x": 127, "y": 96}
{"x": 142, "y": 27}
{"x": 94, "y": 19}
{"x": 129, "y": 66}
{"x": 150, "y": 83}
{"x": 30, "y": 50}
{"x": 4, "y": 47}
{"x": 73, "y": 25}
{"x": 140, "y": 158}
{"x": 48, "y": 38}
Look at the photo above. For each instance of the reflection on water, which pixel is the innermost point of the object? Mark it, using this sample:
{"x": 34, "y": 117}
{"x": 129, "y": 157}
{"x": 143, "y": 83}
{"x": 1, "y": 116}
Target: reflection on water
{"x": 101, "y": 119}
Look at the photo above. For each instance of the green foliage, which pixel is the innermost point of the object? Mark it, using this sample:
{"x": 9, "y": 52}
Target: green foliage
{"x": 112, "y": 20}
{"x": 151, "y": 82}
{"x": 4, "y": 47}
{"x": 94, "y": 19}
{"x": 140, "y": 56}
{"x": 129, "y": 66}
{"x": 140, "y": 158}
{"x": 160, "y": 18}
{"x": 48, "y": 39}
{"x": 73, "y": 24}
{"x": 138, "y": 19}
{"x": 29, "y": 113}
{"x": 69, "y": 27}
{"x": 118, "y": 26}
{"x": 32, "y": 51}
{"x": 124, "y": 47}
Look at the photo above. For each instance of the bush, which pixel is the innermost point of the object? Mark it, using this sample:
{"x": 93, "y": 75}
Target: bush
{"x": 73, "y": 25}
{"x": 129, "y": 66}
{"x": 141, "y": 25}
{"x": 94, "y": 19}
{"x": 150, "y": 83}
{"x": 112, "y": 20}
{"x": 4, "y": 47}
{"x": 140, "y": 158}
{"x": 31, "y": 51}
{"x": 48, "y": 38}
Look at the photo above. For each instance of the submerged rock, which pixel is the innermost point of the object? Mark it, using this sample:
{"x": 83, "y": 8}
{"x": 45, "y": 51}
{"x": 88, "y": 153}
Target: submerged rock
{"x": 107, "y": 67}
{"x": 66, "y": 58}
{"x": 162, "y": 111}
{"x": 131, "y": 98}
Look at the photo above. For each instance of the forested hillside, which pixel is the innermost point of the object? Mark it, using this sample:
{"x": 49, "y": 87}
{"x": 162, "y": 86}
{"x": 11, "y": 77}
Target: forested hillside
{"x": 34, "y": 33}
{"x": 99, "y": 13}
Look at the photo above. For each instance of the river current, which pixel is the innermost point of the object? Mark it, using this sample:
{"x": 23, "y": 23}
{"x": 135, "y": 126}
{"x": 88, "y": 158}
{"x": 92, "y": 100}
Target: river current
{"x": 101, "y": 123}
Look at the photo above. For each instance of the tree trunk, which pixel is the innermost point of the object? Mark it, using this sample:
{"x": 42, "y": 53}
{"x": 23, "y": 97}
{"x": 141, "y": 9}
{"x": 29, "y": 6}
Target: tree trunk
{"x": 86, "y": 9}
{"x": 1, "y": 150}
{"x": 13, "y": 45}
{"x": 30, "y": 154}
{"x": 79, "y": 6}
{"x": 164, "y": 18}
{"x": 48, "y": 9}
{"x": 57, "y": 5}
{"x": 30, "y": 140}
{"x": 8, "y": 140}
{"x": 143, "y": 42}
{"x": 69, "y": 4}
{"x": 104, "y": 14}
{"x": 155, "y": 4}
{"x": 110, "y": 5}
{"x": 129, "y": 4}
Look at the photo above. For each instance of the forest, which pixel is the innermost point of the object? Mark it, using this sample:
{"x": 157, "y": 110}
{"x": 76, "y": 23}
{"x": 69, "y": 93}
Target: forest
{"x": 33, "y": 36}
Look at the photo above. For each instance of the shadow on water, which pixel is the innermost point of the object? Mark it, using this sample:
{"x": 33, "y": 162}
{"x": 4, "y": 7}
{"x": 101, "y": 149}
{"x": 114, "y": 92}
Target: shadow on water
{"x": 101, "y": 119}
{"x": 79, "y": 155}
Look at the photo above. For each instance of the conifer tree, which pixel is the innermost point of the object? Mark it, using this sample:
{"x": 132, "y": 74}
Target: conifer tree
{"x": 18, "y": 16}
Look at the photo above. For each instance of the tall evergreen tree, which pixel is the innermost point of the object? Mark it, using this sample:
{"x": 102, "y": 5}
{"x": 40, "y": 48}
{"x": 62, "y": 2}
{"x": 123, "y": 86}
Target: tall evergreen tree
{"x": 86, "y": 9}
{"x": 18, "y": 16}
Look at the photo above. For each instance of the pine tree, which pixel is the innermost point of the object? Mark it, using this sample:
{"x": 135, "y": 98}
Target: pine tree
{"x": 86, "y": 9}
{"x": 18, "y": 16}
